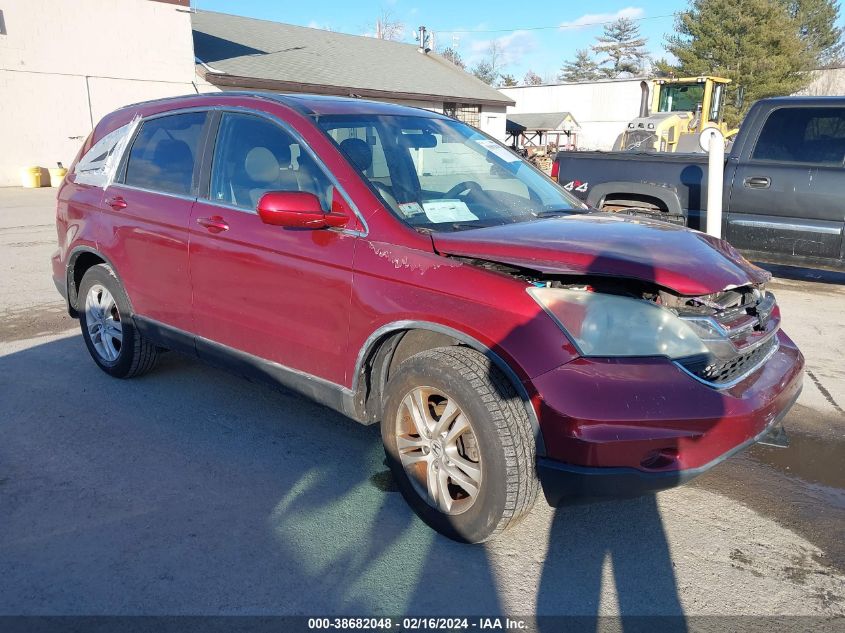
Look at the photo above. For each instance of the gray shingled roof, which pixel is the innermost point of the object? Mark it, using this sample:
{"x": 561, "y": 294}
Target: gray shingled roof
{"x": 537, "y": 122}
{"x": 272, "y": 51}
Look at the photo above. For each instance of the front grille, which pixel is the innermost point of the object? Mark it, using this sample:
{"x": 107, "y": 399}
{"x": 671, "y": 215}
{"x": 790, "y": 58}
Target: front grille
{"x": 721, "y": 373}
{"x": 639, "y": 140}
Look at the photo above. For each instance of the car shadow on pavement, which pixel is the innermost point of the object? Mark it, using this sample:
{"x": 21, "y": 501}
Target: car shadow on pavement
{"x": 191, "y": 491}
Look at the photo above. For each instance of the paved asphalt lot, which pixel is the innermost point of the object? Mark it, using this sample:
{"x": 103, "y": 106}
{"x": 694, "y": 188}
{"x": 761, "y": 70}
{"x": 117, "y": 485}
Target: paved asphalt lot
{"x": 191, "y": 491}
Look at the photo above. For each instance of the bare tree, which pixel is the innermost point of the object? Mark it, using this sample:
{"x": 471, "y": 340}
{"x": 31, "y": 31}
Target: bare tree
{"x": 495, "y": 55}
{"x": 532, "y": 79}
{"x": 490, "y": 67}
{"x": 389, "y": 27}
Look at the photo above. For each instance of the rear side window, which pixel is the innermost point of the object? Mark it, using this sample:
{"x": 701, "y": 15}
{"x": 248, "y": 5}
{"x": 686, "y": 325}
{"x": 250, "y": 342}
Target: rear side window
{"x": 803, "y": 135}
{"x": 98, "y": 165}
{"x": 164, "y": 152}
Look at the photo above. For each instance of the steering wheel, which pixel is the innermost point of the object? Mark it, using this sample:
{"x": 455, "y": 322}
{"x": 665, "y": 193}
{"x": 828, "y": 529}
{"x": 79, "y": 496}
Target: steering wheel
{"x": 464, "y": 189}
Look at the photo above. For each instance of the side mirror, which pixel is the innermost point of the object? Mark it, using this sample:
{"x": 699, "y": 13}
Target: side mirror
{"x": 297, "y": 210}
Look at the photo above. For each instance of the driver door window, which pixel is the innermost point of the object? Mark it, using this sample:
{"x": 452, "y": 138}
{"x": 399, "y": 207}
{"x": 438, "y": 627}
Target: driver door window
{"x": 253, "y": 156}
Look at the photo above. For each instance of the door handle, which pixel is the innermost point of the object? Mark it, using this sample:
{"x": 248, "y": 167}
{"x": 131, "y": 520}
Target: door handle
{"x": 117, "y": 203}
{"x": 214, "y": 224}
{"x": 757, "y": 182}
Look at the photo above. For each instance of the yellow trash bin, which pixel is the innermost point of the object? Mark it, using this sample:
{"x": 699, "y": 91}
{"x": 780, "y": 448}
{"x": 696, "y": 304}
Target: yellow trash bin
{"x": 31, "y": 177}
{"x": 57, "y": 174}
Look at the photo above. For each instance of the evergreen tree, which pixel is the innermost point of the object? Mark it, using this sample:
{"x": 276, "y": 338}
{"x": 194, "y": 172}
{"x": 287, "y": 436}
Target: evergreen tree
{"x": 454, "y": 56}
{"x": 490, "y": 68}
{"x": 622, "y": 49}
{"x": 755, "y": 43}
{"x": 817, "y": 28}
{"x": 582, "y": 68}
{"x": 508, "y": 81}
{"x": 662, "y": 68}
{"x": 485, "y": 71}
{"x": 532, "y": 79}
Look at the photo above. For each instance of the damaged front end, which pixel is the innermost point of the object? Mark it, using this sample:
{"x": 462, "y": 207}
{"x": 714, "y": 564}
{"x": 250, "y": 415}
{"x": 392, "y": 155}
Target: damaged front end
{"x": 737, "y": 326}
{"x": 718, "y": 338}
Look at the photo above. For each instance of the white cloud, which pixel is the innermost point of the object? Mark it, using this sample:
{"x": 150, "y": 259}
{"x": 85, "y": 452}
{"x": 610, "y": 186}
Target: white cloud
{"x": 313, "y": 24}
{"x": 513, "y": 47}
{"x": 589, "y": 19}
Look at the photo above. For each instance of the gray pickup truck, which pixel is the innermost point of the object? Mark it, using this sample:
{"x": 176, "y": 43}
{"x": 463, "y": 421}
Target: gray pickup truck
{"x": 784, "y": 183}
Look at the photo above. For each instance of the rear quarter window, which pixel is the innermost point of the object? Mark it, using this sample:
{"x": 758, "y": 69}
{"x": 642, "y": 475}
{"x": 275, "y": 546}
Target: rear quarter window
{"x": 813, "y": 136}
{"x": 97, "y": 166}
{"x": 163, "y": 155}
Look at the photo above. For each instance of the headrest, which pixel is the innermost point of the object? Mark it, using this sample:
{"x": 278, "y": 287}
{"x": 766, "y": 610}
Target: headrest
{"x": 359, "y": 152}
{"x": 261, "y": 165}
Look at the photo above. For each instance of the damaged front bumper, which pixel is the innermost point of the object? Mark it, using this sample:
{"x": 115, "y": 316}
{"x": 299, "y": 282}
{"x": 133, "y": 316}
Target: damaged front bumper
{"x": 623, "y": 427}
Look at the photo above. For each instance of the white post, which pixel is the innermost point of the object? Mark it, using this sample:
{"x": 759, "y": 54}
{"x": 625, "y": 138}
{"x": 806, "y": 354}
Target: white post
{"x": 712, "y": 142}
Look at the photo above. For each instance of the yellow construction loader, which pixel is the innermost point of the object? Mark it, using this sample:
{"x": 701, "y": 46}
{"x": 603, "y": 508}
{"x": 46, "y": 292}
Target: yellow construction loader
{"x": 679, "y": 110}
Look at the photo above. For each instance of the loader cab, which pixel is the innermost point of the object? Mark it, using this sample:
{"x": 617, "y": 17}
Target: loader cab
{"x": 703, "y": 96}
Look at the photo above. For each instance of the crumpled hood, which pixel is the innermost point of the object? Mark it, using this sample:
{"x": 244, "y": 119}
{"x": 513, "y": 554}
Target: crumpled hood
{"x": 689, "y": 262}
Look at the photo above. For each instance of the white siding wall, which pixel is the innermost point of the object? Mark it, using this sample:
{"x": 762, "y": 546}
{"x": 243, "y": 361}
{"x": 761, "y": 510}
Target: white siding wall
{"x": 602, "y": 108}
{"x": 63, "y": 65}
{"x": 828, "y": 82}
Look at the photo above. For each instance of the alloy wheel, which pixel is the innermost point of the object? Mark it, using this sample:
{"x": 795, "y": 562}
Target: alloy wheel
{"x": 102, "y": 318}
{"x": 438, "y": 450}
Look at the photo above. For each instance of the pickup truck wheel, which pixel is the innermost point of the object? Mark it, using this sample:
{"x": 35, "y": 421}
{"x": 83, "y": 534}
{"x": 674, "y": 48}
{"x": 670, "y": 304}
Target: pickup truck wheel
{"x": 112, "y": 340}
{"x": 459, "y": 443}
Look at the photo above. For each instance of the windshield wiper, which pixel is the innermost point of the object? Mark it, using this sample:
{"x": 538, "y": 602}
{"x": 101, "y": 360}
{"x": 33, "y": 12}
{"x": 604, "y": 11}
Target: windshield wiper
{"x": 547, "y": 213}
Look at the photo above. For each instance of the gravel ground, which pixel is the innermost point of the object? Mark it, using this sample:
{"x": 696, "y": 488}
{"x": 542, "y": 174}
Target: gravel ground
{"x": 191, "y": 491}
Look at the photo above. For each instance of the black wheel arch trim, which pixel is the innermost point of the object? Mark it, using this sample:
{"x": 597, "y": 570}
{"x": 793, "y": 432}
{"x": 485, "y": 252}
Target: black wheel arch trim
{"x": 669, "y": 197}
{"x": 370, "y": 345}
{"x": 71, "y": 295}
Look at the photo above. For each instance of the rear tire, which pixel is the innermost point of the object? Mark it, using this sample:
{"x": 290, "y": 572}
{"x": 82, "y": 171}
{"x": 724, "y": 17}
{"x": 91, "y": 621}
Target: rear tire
{"x": 110, "y": 336}
{"x": 459, "y": 443}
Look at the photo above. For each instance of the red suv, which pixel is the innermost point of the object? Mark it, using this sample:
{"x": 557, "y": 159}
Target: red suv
{"x": 401, "y": 267}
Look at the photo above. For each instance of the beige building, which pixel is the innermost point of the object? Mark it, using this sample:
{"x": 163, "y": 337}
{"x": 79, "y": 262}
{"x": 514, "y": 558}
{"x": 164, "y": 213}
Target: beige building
{"x": 63, "y": 65}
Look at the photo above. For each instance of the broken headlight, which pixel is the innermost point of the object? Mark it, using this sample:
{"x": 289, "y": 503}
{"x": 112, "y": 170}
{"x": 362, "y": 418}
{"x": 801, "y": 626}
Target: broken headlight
{"x": 601, "y": 324}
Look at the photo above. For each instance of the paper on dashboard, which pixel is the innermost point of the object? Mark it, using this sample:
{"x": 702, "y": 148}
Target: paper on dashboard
{"x": 448, "y": 211}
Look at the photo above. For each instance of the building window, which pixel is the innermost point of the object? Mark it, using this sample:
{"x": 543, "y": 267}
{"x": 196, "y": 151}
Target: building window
{"x": 465, "y": 112}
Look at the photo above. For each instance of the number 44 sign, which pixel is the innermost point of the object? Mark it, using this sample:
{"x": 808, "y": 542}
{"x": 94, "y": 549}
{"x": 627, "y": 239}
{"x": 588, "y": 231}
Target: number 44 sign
{"x": 576, "y": 185}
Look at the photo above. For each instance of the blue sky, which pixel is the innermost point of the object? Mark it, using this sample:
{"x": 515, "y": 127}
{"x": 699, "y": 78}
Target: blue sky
{"x": 471, "y": 25}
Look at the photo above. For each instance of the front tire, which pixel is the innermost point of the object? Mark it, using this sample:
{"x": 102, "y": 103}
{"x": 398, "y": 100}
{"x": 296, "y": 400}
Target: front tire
{"x": 459, "y": 443}
{"x": 110, "y": 336}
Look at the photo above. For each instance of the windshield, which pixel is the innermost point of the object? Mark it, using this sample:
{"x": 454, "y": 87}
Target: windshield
{"x": 442, "y": 175}
{"x": 680, "y": 97}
